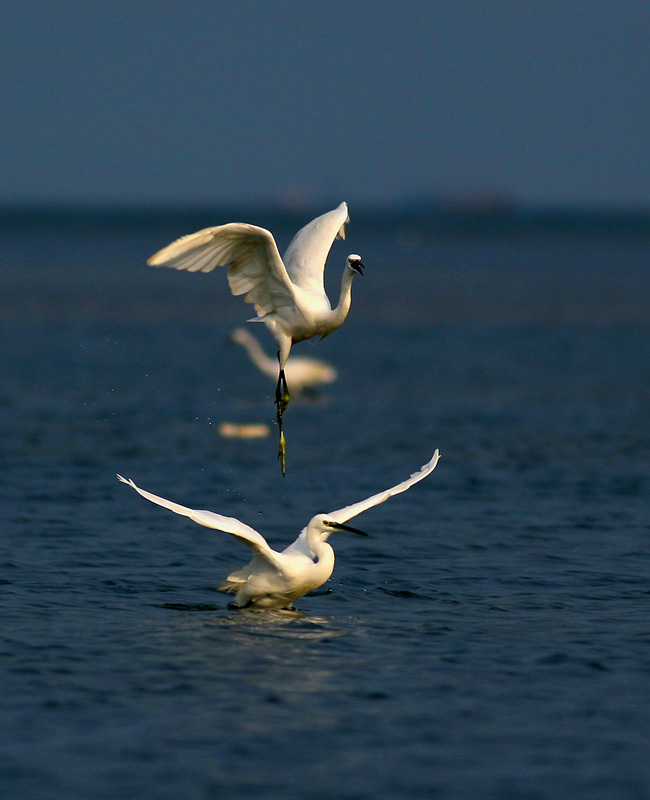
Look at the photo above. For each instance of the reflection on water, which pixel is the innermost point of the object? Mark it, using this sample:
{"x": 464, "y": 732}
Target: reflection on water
{"x": 263, "y": 620}
{"x": 283, "y": 624}
{"x": 506, "y": 593}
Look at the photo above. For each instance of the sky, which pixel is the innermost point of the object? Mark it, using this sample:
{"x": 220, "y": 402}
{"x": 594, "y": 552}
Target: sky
{"x": 302, "y": 102}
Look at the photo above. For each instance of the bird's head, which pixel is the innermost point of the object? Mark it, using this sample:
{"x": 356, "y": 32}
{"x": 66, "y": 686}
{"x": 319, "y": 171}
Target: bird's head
{"x": 240, "y": 336}
{"x": 323, "y": 527}
{"x": 354, "y": 263}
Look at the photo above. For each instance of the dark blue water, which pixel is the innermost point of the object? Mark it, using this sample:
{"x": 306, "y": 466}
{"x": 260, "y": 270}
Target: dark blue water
{"x": 490, "y": 639}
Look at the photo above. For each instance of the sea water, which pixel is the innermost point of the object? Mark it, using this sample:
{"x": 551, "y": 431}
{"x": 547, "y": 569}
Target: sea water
{"x": 490, "y": 638}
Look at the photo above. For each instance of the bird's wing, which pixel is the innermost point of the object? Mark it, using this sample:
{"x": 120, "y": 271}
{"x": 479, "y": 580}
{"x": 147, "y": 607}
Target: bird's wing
{"x": 306, "y": 255}
{"x": 300, "y": 544}
{"x": 245, "y": 534}
{"x": 255, "y": 267}
{"x": 344, "y": 514}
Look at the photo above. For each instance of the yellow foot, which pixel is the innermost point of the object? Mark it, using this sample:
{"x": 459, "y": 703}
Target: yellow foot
{"x": 282, "y": 454}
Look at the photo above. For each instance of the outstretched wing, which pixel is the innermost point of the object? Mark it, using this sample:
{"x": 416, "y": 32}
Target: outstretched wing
{"x": 255, "y": 267}
{"x": 306, "y": 255}
{"x": 245, "y": 534}
{"x": 344, "y": 514}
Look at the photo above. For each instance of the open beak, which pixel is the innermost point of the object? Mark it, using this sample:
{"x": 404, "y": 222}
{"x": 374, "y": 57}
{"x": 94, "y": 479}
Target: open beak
{"x": 339, "y": 526}
{"x": 359, "y": 268}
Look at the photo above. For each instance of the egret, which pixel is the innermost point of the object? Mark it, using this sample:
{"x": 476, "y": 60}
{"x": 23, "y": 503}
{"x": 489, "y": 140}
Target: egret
{"x": 288, "y": 293}
{"x": 303, "y": 374}
{"x": 275, "y": 579}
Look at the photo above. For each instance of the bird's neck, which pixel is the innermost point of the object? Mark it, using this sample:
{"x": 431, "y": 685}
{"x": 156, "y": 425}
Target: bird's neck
{"x": 341, "y": 311}
{"x": 260, "y": 359}
{"x": 322, "y": 552}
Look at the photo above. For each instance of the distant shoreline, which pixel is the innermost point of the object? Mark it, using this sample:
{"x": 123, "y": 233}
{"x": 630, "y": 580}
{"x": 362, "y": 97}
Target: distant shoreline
{"x": 437, "y": 218}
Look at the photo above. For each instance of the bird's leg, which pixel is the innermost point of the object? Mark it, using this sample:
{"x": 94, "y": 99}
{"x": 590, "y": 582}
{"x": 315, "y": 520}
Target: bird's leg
{"x": 281, "y": 401}
{"x": 282, "y": 390}
{"x": 233, "y": 606}
{"x": 282, "y": 447}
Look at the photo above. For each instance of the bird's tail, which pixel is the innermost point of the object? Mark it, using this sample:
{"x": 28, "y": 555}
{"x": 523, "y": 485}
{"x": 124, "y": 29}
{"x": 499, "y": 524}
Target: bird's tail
{"x": 230, "y": 586}
{"x": 235, "y": 581}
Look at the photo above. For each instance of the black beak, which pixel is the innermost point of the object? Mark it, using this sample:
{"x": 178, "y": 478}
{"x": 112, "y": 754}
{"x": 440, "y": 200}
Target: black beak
{"x": 358, "y": 268}
{"x": 339, "y": 526}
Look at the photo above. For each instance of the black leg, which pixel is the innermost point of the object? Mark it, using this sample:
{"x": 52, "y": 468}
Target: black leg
{"x": 281, "y": 401}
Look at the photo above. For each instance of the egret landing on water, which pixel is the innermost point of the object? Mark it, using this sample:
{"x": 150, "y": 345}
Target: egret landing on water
{"x": 273, "y": 579}
{"x": 288, "y": 295}
{"x": 302, "y": 374}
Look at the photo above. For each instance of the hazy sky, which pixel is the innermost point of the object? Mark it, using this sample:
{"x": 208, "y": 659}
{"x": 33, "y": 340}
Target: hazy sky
{"x": 372, "y": 102}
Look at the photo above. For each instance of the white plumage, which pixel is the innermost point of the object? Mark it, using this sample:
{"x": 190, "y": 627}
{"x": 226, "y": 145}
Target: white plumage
{"x": 275, "y": 579}
{"x": 288, "y": 294}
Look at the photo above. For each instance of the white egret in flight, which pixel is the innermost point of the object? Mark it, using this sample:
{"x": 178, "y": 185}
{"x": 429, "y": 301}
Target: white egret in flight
{"x": 302, "y": 373}
{"x": 288, "y": 294}
{"x": 275, "y": 579}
